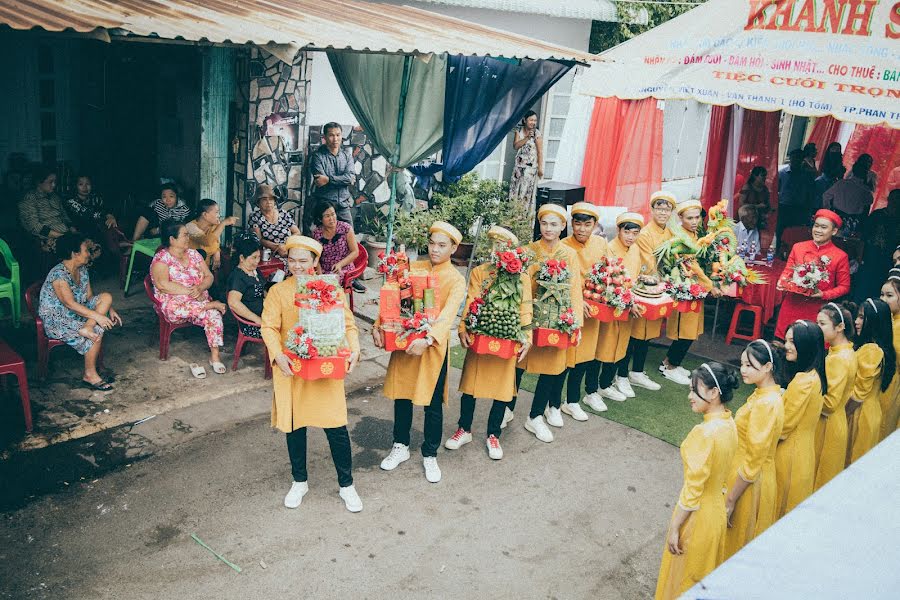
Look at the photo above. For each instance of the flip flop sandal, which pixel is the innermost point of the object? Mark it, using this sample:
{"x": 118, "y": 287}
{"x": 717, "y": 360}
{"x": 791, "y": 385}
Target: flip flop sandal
{"x": 217, "y": 367}
{"x": 198, "y": 371}
{"x": 100, "y": 386}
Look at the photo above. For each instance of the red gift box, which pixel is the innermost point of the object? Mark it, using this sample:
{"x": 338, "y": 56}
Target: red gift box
{"x": 326, "y": 367}
{"x": 686, "y": 306}
{"x": 604, "y": 312}
{"x": 389, "y": 303}
{"x": 393, "y": 340}
{"x": 551, "y": 338}
{"x": 485, "y": 344}
{"x": 655, "y": 308}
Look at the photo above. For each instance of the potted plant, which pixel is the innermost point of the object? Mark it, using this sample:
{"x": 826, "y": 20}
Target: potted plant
{"x": 411, "y": 229}
{"x": 375, "y": 241}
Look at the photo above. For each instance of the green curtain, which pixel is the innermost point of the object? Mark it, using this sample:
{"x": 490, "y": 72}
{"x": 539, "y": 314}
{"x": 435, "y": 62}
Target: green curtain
{"x": 371, "y": 84}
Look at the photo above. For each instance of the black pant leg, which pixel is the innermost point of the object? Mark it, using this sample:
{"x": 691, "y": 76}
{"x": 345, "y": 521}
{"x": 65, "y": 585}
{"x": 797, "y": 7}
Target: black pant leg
{"x": 623, "y": 364}
{"x": 495, "y": 418}
{"x": 607, "y": 375}
{"x": 677, "y": 351}
{"x": 541, "y": 396}
{"x": 512, "y": 403}
{"x": 639, "y": 356}
{"x": 466, "y": 412}
{"x": 573, "y": 382}
{"x": 434, "y": 416}
{"x": 403, "y": 411}
{"x": 341, "y": 454}
{"x": 296, "y": 444}
{"x": 592, "y": 376}
{"x": 556, "y": 399}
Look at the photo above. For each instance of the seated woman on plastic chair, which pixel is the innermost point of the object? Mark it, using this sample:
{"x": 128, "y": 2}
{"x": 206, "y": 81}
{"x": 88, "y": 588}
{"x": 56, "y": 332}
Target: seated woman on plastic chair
{"x": 339, "y": 247}
{"x": 70, "y": 310}
{"x": 245, "y": 286}
{"x": 180, "y": 283}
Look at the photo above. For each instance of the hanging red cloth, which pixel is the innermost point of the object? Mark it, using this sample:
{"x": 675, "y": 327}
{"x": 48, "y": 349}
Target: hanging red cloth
{"x": 623, "y": 157}
{"x": 716, "y": 151}
{"x": 760, "y": 134}
{"x": 883, "y": 144}
{"x": 824, "y": 132}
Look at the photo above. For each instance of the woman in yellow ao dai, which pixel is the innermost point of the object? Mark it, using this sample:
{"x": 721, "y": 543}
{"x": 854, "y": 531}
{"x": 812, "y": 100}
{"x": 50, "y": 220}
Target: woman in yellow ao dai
{"x": 890, "y": 398}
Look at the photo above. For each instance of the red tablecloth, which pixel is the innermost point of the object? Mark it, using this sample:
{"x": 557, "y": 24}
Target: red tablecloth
{"x": 765, "y": 295}
{"x": 267, "y": 269}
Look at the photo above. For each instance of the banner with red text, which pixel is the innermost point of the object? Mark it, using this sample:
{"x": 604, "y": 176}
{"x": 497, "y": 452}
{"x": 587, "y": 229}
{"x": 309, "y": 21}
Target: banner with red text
{"x": 804, "y": 57}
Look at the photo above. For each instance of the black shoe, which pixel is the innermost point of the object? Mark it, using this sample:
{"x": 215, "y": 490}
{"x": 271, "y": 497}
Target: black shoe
{"x": 359, "y": 287}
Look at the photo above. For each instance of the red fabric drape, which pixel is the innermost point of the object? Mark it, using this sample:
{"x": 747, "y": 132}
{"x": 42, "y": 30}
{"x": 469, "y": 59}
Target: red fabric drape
{"x": 760, "y": 133}
{"x": 824, "y": 132}
{"x": 623, "y": 157}
{"x": 716, "y": 151}
{"x": 883, "y": 144}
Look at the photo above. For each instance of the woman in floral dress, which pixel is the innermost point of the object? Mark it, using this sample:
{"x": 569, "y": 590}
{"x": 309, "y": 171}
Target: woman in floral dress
{"x": 529, "y": 167}
{"x": 180, "y": 283}
{"x": 339, "y": 247}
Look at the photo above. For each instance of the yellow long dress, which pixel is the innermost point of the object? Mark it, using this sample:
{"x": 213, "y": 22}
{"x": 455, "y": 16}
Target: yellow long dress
{"x": 648, "y": 240}
{"x": 614, "y": 335}
{"x": 547, "y": 360}
{"x": 759, "y": 424}
{"x": 589, "y": 254}
{"x": 688, "y": 325}
{"x": 706, "y": 454}
{"x": 297, "y": 402}
{"x": 411, "y": 377}
{"x": 831, "y": 432}
{"x": 795, "y": 456}
{"x": 864, "y": 426}
{"x": 485, "y": 375}
{"x": 890, "y": 398}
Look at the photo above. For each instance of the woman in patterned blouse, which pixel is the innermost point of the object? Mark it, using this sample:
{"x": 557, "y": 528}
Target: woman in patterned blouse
{"x": 271, "y": 226}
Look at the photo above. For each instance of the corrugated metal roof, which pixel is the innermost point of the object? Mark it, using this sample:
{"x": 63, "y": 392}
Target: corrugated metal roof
{"x": 597, "y": 10}
{"x": 337, "y": 24}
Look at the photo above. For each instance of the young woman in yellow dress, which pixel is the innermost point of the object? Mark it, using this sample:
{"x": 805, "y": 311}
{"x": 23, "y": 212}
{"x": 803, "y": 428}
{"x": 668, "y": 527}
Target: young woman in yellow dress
{"x": 876, "y": 362}
{"x": 695, "y": 542}
{"x": 795, "y": 456}
{"x": 890, "y": 398}
{"x": 550, "y": 363}
{"x": 836, "y": 323}
{"x": 752, "y": 486}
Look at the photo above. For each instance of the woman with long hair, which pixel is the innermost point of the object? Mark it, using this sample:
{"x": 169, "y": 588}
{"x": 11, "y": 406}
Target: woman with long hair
{"x": 529, "y": 166}
{"x": 890, "y": 398}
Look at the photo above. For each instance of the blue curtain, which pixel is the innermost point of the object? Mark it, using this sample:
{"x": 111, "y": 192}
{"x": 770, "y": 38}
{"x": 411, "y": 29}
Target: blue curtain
{"x": 485, "y": 97}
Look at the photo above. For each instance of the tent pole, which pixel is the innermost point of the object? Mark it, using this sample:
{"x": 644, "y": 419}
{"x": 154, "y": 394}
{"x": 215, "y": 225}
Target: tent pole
{"x": 392, "y": 203}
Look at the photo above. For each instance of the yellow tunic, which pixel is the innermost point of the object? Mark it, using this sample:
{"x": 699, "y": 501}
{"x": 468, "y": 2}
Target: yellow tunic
{"x": 297, "y": 402}
{"x": 759, "y": 424}
{"x": 795, "y": 456}
{"x": 414, "y": 377}
{"x": 706, "y": 453}
{"x": 484, "y": 375}
{"x": 614, "y": 335}
{"x": 890, "y": 398}
{"x": 688, "y": 325}
{"x": 203, "y": 239}
{"x": 589, "y": 254}
{"x": 865, "y": 422}
{"x": 546, "y": 360}
{"x": 831, "y": 432}
{"x": 650, "y": 238}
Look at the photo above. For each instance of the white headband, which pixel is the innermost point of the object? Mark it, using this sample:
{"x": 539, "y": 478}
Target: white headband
{"x": 707, "y": 367}
{"x": 769, "y": 349}
{"x": 839, "y": 311}
{"x": 872, "y": 302}
{"x": 895, "y": 277}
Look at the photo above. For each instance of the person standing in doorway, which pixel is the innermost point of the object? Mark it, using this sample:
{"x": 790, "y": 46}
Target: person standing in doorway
{"x": 529, "y": 167}
{"x": 333, "y": 171}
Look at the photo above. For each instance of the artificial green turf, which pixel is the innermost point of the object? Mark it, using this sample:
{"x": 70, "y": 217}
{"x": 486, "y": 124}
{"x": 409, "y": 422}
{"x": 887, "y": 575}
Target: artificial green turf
{"x": 665, "y": 414}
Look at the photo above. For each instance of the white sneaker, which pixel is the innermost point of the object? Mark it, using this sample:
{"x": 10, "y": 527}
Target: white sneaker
{"x": 399, "y": 454}
{"x": 643, "y": 380}
{"x": 539, "y": 429}
{"x": 611, "y": 393}
{"x": 351, "y": 499}
{"x": 494, "y": 449}
{"x": 624, "y": 386}
{"x": 680, "y": 370}
{"x": 675, "y": 376}
{"x": 553, "y": 416}
{"x": 507, "y": 417}
{"x": 595, "y": 402}
{"x": 432, "y": 470}
{"x": 575, "y": 411}
{"x": 295, "y": 495}
{"x": 458, "y": 439}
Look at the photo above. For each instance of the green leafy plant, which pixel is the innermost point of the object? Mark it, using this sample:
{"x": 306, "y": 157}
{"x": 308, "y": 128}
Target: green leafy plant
{"x": 411, "y": 229}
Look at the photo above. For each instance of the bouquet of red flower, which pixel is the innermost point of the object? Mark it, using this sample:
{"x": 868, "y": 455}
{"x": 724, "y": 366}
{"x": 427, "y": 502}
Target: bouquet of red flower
{"x": 316, "y": 346}
{"x": 607, "y": 290}
{"x": 316, "y": 293}
{"x": 807, "y": 278}
{"x": 394, "y": 266}
{"x": 399, "y": 334}
{"x": 513, "y": 262}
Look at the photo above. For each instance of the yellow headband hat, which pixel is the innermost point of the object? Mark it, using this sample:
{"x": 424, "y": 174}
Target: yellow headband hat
{"x": 630, "y": 217}
{"x": 447, "y": 229}
{"x": 586, "y": 208}
{"x": 688, "y": 204}
{"x": 660, "y": 195}
{"x": 502, "y": 234}
{"x": 553, "y": 209}
{"x": 306, "y": 243}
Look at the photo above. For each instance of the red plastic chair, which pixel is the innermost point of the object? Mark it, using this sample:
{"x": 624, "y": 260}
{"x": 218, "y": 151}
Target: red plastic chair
{"x": 756, "y": 331}
{"x": 359, "y": 267}
{"x": 44, "y": 344}
{"x": 11, "y": 363}
{"x": 243, "y": 339}
{"x": 165, "y": 326}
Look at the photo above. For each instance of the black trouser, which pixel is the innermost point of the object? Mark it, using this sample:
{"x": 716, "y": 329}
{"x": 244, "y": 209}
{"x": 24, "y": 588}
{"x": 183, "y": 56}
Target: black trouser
{"x": 467, "y": 412}
{"x": 589, "y": 372}
{"x": 636, "y": 355}
{"x": 677, "y": 351}
{"x": 434, "y": 418}
{"x": 608, "y": 374}
{"x": 548, "y": 390}
{"x": 338, "y": 440}
{"x": 512, "y": 403}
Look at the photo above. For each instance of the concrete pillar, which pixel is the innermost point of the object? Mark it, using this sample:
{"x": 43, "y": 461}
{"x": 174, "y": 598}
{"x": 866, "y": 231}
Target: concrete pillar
{"x": 217, "y": 87}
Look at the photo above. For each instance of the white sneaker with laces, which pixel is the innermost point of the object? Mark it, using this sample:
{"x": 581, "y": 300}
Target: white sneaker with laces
{"x": 683, "y": 371}
{"x": 675, "y": 376}
{"x": 575, "y": 411}
{"x": 494, "y": 449}
{"x": 507, "y": 417}
{"x": 611, "y": 393}
{"x": 432, "y": 470}
{"x": 458, "y": 439}
{"x": 624, "y": 386}
{"x": 643, "y": 380}
{"x": 595, "y": 402}
{"x": 399, "y": 454}
{"x": 553, "y": 416}
{"x": 539, "y": 429}
{"x": 295, "y": 495}
{"x": 351, "y": 499}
